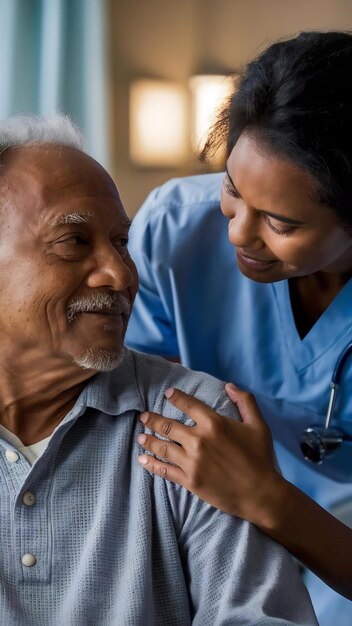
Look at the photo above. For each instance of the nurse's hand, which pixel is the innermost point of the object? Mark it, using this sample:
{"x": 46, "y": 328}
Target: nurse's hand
{"x": 228, "y": 463}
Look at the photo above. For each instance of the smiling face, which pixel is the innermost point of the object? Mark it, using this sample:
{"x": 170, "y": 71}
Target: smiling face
{"x": 66, "y": 278}
{"x": 279, "y": 228}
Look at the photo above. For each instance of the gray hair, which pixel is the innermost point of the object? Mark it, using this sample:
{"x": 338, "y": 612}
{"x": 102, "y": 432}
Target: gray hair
{"x": 21, "y": 130}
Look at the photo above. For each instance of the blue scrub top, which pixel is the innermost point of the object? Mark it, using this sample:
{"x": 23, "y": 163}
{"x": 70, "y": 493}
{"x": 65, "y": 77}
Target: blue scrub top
{"x": 194, "y": 303}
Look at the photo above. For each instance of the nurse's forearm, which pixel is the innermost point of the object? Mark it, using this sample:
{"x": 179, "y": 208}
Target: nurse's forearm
{"x": 315, "y": 537}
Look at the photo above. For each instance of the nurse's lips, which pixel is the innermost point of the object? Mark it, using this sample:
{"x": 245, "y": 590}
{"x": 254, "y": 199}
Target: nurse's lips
{"x": 254, "y": 263}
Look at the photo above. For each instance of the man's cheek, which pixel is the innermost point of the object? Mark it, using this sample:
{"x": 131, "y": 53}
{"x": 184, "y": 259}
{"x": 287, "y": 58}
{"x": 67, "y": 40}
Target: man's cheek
{"x": 54, "y": 316}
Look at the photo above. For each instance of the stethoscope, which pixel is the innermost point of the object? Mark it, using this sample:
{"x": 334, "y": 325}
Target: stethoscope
{"x": 318, "y": 442}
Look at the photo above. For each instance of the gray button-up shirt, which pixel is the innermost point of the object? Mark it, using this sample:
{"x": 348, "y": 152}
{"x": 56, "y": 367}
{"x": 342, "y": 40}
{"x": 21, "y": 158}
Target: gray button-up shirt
{"x": 102, "y": 542}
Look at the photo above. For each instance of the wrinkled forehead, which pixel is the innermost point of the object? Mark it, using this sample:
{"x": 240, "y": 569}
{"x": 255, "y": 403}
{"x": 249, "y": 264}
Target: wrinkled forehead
{"x": 41, "y": 180}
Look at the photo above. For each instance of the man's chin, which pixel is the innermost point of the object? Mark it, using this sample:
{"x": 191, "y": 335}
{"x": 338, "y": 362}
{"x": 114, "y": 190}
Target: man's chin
{"x": 100, "y": 360}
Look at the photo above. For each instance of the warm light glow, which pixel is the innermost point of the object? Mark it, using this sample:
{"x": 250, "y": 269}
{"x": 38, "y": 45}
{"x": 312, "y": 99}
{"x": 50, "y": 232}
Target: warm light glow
{"x": 158, "y": 123}
{"x": 208, "y": 94}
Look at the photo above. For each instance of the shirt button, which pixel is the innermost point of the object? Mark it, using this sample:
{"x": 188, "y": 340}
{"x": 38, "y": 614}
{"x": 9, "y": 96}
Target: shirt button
{"x": 29, "y": 560}
{"x": 12, "y": 456}
{"x": 28, "y": 498}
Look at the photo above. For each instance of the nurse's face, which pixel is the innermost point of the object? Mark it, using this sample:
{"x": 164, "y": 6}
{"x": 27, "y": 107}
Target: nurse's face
{"x": 279, "y": 228}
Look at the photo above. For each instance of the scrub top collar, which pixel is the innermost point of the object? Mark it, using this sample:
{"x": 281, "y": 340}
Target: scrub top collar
{"x": 320, "y": 338}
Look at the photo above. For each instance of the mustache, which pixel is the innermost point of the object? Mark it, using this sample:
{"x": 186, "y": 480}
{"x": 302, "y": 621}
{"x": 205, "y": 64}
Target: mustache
{"x": 104, "y": 301}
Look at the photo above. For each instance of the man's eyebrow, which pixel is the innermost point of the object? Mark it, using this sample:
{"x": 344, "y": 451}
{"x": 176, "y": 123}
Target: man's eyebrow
{"x": 71, "y": 218}
{"x": 275, "y": 216}
{"x": 125, "y": 221}
{"x": 81, "y": 218}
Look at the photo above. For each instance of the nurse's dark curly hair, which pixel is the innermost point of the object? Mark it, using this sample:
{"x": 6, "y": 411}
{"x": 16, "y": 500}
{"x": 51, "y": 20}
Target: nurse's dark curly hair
{"x": 296, "y": 99}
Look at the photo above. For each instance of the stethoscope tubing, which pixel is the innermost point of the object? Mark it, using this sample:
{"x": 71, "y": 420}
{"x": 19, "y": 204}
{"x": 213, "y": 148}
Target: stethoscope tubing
{"x": 317, "y": 442}
{"x": 336, "y": 377}
{"x": 335, "y": 381}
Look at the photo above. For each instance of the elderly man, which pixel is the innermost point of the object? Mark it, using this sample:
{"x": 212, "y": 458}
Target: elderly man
{"x": 88, "y": 536}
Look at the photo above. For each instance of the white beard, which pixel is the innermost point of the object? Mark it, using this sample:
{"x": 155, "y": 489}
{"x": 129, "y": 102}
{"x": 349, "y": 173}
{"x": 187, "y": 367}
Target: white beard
{"x": 100, "y": 360}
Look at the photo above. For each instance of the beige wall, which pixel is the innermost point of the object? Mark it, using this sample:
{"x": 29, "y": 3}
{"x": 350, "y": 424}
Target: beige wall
{"x": 177, "y": 38}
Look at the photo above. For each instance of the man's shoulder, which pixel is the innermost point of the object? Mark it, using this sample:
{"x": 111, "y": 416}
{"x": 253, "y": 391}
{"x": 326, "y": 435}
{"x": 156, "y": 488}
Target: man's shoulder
{"x": 139, "y": 383}
{"x": 155, "y": 374}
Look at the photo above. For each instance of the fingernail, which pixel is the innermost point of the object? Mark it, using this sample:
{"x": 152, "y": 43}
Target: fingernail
{"x": 143, "y": 417}
{"x": 142, "y": 459}
{"x": 142, "y": 439}
{"x": 169, "y": 392}
{"x": 232, "y": 386}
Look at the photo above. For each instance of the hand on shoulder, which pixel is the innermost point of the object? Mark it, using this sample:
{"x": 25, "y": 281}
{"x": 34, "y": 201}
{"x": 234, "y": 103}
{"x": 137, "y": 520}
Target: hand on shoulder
{"x": 228, "y": 463}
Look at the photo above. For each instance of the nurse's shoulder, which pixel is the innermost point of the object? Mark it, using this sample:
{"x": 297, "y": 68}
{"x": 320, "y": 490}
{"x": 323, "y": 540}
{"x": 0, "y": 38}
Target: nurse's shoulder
{"x": 180, "y": 200}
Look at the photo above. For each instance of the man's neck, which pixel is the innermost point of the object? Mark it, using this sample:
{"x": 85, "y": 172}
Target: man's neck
{"x": 34, "y": 423}
{"x": 37, "y": 391}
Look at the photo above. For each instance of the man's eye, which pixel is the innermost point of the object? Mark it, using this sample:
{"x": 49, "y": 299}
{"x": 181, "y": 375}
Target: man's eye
{"x": 70, "y": 246}
{"x": 72, "y": 241}
{"x": 121, "y": 244}
{"x": 76, "y": 240}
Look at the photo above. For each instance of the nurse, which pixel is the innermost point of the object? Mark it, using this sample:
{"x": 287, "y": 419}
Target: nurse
{"x": 260, "y": 294}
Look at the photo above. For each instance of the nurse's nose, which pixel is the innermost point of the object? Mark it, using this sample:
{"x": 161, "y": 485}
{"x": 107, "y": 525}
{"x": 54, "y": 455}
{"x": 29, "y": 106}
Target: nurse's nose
{"x": 111, "y": 270}
{"x": 244, "y": 229}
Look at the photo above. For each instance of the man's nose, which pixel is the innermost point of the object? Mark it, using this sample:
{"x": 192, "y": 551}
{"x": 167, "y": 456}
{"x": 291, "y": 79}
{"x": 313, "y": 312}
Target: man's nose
{"x": 110, "y": 270}
{"x": 244, "y": 229}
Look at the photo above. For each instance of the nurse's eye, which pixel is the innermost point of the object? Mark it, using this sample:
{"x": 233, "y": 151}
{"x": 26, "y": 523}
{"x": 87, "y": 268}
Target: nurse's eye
{"x": 229, "y": 188}
{"x": 277, "y": 227}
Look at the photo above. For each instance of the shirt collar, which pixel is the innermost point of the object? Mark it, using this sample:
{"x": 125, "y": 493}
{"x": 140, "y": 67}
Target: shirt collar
{"x": 114, "y": 392}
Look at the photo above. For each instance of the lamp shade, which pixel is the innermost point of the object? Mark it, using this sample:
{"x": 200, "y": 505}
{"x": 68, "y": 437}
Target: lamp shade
{"x": 158, "y": 123}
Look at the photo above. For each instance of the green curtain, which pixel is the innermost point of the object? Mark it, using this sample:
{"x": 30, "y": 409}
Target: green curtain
{"x": 53, "y": 58}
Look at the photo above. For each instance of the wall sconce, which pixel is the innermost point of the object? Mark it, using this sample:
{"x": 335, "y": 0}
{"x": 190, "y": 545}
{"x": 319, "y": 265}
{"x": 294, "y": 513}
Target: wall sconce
{"x": 158, "y": 123}
{"x": 209, "y": 93}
